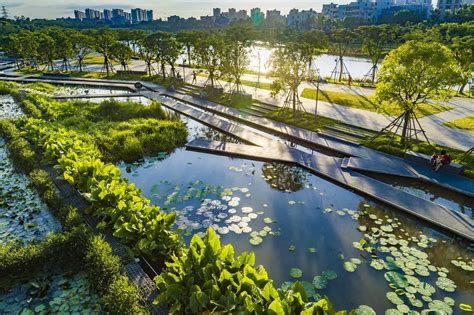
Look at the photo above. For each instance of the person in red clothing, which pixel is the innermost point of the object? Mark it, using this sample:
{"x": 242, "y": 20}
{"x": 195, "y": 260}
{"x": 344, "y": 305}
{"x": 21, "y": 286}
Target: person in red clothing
{"x": 442, "y": 159}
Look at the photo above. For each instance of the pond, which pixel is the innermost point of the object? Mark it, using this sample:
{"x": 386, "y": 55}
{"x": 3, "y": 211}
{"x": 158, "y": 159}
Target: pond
{"x": 23, "y": 215}
{"x": 57, "y": 293}
{"x": 87, "y": 90}
{"x": 358, "y": 67}
{"x": 303, "y": 227}
{"x": 8, "y": 107}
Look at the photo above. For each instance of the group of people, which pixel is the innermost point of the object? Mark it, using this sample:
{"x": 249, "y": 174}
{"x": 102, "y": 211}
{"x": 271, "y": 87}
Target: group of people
{"x": 440, "y": 159}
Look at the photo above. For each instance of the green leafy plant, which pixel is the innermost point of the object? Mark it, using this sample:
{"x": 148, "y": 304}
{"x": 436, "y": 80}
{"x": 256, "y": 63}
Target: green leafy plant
{"x": 207, "y": 278}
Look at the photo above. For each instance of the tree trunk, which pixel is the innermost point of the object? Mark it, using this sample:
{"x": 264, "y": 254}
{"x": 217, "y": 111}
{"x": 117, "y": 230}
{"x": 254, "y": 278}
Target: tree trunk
{"x": 163, "y": 73}
{"x": 341, "y": 68}
{"x": 106, "y": 64}
{"x": 374, "y": 68}
{"x": 461, "y": 88}
{"x": 294, "y": 104}
{"x": 406, "y": 122}
{"x": 211, "y": 77}
{"x": 189, "y": 56}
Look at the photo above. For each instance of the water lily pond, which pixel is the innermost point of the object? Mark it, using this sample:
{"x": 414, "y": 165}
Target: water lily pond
{"x": 60, "y": 293}
{"x": 23, "y": 216}
{"x": 8, "y": 107}
{"x": 302, "y": 227}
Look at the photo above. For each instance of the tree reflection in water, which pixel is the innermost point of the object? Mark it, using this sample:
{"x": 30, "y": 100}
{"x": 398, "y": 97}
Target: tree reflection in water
{"x": 214, "y": 135}
{"x": 284, "y": 177}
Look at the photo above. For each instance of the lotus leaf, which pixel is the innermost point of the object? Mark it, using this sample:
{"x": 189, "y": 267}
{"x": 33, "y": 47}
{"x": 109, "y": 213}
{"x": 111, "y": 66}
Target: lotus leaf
{"x": 296, "y": 273}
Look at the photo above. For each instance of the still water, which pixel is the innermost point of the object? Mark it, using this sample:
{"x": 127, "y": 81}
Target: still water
{"x": 296, "y": 223}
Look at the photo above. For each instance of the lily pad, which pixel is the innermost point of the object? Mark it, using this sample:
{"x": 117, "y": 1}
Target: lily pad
{"x": 296, "y": 273}
{"x": 350, "y": 266}
{"x": 364, "y": 310}
{"x": 329, "y": 274}
{"x": 320, "y": 282}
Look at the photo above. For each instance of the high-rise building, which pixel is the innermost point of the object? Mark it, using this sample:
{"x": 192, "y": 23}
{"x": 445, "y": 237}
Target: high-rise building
{"x": 127, "y": 16}
{"x": 92, "y": 14}
{"x": 149, "y": 15}
{"x": 79, "y": 15}
{"x": 273, "y": 14}
{"x": 257, "y": 15}
{"x": 297, "y": 18}
{"x": 138, "y": 15}
{"x": 117, "y": 13}
{"x": 216, "y": 12}
{"x": 448, "y": 5}
{"x": 107, "y": 14}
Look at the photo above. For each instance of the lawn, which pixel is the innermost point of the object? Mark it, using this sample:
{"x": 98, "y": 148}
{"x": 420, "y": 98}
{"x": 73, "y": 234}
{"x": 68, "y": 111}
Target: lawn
{"x": 96, "y": 60}
{"x": 261, "y": 85}
{"x": 301, "y": 119}
{"x": 367, "y": 102}
{"x": 466, "y": 123}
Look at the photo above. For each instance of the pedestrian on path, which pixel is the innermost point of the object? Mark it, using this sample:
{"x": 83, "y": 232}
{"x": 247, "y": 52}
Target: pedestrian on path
{"x": 349, "y": 82}
{"x": 194, "y": 77}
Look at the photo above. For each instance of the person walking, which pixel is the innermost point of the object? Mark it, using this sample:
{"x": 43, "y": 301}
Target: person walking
{"x": 194, "y": 77}
{"x": 349, "y": 82}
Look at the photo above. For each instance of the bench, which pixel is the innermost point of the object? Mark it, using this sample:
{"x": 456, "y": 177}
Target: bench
{"x": 420, "y": 158}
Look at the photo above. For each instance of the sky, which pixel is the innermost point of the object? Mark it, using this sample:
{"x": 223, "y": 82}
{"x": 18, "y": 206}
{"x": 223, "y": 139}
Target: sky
{"x": 162, "y": 8}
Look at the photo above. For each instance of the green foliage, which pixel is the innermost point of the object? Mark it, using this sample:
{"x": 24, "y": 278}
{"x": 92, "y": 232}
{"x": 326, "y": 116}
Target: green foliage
{"x": 23, "y": 157}
{"x": 207, "y": 278}
{"x": 58, "y": 249}
{"x": 101, "y": 264}
{"x": 30, "y": 108}
{"x": 416, "y": 72}
{"x": 132, "y": 217}
{"x": 301, "y": 119}
{"x": 41, "y": 86}
{"x": 122, "y": 297}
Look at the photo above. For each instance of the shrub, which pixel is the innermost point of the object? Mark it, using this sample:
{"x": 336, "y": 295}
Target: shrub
{"x": 23, "y": 157}
{"x": 122, "y": 297}
{"x": 56, "y": 250}
{"x": 102, "y": 266}
{"x": 30, "y": 109}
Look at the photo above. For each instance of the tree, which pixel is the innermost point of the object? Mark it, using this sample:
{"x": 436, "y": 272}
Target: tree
{"x": 414, "y": 73}
{"x": 312, "y": 44}
{"x": 288, "y": 65}
{"x": 147, "y": 52}
{"x": 160, "y": 42}
{"x": 103, "y": 43}
{"x": 374, "y": 40}
{"x": 238, "y": 39}
{"x": 46, "y": 52}
{"x": 208, "y": 52}
{"x": 64, "y": 46}
{"x": 81, "y": 48}
{"x": 121, "y": 53}
{"x": 188, "y": 39}
{"x": 342, "y": 38}
{"x": 463, "y": 50}
{"x": 172, "y": 49}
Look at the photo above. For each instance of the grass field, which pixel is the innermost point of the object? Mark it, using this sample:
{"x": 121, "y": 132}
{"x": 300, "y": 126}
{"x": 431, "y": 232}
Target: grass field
{"x": 301, "y": 119}
{"x": 466, "y": 123}
{"x": 261, "y": 85}
{"x": 96, "y": 60}
{"x": 367, "y": 103}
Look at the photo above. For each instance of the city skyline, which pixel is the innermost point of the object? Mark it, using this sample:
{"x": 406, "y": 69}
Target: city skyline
{"x": 183, "y": 8}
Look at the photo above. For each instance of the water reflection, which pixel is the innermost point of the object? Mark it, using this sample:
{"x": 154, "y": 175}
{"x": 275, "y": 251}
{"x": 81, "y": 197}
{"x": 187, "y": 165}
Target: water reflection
{"x": 284, "y": 177}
